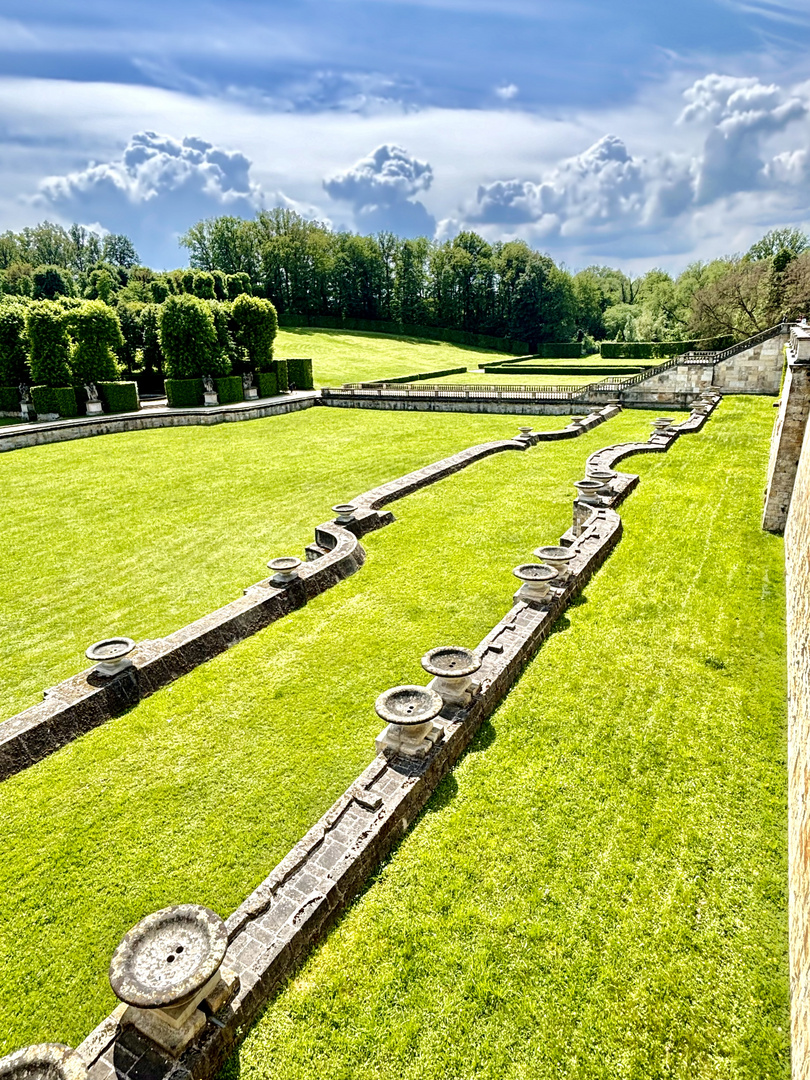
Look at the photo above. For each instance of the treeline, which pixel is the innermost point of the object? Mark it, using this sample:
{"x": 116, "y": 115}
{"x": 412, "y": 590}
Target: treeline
{"x": 467, "y": 285}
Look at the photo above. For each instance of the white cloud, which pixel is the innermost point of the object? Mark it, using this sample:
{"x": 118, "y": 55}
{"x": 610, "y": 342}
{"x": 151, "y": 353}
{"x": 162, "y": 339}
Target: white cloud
{"x": 506, "y": 93}
{"x": 380, "y": 188}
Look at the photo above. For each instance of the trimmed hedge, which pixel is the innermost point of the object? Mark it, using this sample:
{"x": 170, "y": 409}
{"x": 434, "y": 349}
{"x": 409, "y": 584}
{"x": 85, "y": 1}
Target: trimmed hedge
{"x": 229, "y": 389}
{"x": 382, "y": 326}
{"x": 50, "y": 348}
{"x": 188, "y": 339}
{"x": 299, "y": 374}
{"x": 9, "y": 399}
{"x": 565, "y": 369}
{"x": 256, "y": 323}
{"x": 119, "y": 396}
{"x": 267, "y": 383}
{"x": 421, "y": 375}
{"x": 662, "y": 350}
{"x": 278, "y": 369}
{"x": 184, "y": 393}
{"x": 60, "y": 399}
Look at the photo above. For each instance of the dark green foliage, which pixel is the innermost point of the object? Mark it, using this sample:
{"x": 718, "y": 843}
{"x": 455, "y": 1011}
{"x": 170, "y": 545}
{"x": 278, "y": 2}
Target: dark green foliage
{"x": 188, "y": 339}
{"x": 17, "y": 279}
{"x": 13, "y": 354}
{"x": 661, "y": 350}
{"x": 204, "y": 286}
{"x": 299, "y": 374}
{"x": 119, "y": 250}
{"x": 184, "y": 393}
{"x": 130, "y": 318}
{"x": 238, "y": 284}
{"x": 220, "y": 285}
{"x": 282, "y": 374}
{"x": 48, "y": 343}
{"x": 223, "y": 323}
{"x": 159, "y": 289}
{"x": 119, "y": 397}
{"x": 229, "y": 389}
{"x": 96, "y": 332}
{"x": 256, "y": 325}
{"x": 51, "y": 281}
{"x": 9, "y": 399}
{"x": 419, "y": 377}
{"x": 187, "y": 281}
{"x": 60, "y": 399}
{"x": 153, "y": 360}
{"x": 267, "y": 382}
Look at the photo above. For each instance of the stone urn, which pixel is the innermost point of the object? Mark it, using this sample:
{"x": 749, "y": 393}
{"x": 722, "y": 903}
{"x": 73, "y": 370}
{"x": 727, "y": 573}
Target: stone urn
{"x": 111, "y": 656}
{"x": 284, "y": 569}
{"x": 588, "y": 491}
{"x": 557, "y": 558}
{"x": 344, "y": 513}
{"x": 577, "y": 420}
{"x": 662, "y": 424}
{"x": 604, "y": 477}
{"x": 47, "y": 1061}
{"x": 168, "y": 965}
{"x": 409, "y": 712}
{"x": 536, "y": 578}
{"x": 525, "y": 432}
{"x": 452, "y": 668}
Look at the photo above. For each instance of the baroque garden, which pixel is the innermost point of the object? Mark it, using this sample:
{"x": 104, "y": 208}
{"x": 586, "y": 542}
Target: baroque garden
{"x": 399, "y": 699}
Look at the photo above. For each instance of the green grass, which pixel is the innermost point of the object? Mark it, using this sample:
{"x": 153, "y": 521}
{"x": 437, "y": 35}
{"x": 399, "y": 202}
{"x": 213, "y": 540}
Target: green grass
{"x": 5, "y": 420}
{"x": 493, "y": 379}
{"x": 198, "y": 792}
{"x": 143, "y": 532}
{"x": 339, "y": 357}
{"x": 599, "y": 890}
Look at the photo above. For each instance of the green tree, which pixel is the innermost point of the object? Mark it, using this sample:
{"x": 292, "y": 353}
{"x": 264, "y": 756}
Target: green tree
{"x": 188, "y": 339}
{"x": 49, "y": 344}
{"x": 51, "y": 281}
{"x": 96, "y": 332}
{"x": 787, "y": 239}
{"x": 13, "y": 351}
{"x": 119, "y": 250}
{"x": 256, "y": 324}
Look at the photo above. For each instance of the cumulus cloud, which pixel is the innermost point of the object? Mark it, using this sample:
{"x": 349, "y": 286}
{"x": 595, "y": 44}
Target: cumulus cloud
{"x": 506, "y": 93}
{"x": 606, "y": 192}
{"x": 157, "y": 189}
{"x": 380, "y": 189}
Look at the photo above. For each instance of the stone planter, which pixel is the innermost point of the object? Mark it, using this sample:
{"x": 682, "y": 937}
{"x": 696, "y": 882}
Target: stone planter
{"x": 47, "y": 1061}
{"x": 452, "y": 667}
{"x": 345, "y": 513}
{"x": 557, "y": 558}
{"x": 409, "y": 712}
{"x": 284, "y": 569}
{"x": 536, "y": 579}
{"x": 111, "y": 656}
{"x": 588, "y": 491}
{"x": 605, "y": 478}
{"x": 166, "y": 967}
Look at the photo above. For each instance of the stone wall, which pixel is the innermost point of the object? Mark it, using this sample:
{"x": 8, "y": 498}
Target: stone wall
{"x": 797, "y": 581}
{"x": 757, "y": 370}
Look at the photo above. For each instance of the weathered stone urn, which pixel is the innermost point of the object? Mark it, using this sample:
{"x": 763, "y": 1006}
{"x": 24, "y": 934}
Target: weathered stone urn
{"x": 536, "y": 578}
{"x": 284, "y": 569}
{"x": 166, "y": 967}
{"x": 588, "y": 490}
{"x": 558, "y": 559}
{"x": 605, "y": 477}
{"x": 47, "y": 1061}
{"x": 409, "y": 712}
{"x": 344, "y": 513}
{"x": 111, "y": 656}
{"x": 661, "y": 425}
{"x": 453, "y": 668}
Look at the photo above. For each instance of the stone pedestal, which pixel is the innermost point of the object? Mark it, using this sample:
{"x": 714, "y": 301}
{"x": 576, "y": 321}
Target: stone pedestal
{"x": 453, "y": 668}
{"x": 410, "y": 711}
{"x": 175, "y": 1028}
{"x": 210, "y": 398}
{"x": 251, "y": 393}
{"x": 94, "y": 408}
{"x": 24, "y": 407}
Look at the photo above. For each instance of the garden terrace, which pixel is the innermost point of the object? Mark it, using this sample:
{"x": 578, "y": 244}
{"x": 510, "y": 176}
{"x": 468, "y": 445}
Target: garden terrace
{"x": 246, "y": 752}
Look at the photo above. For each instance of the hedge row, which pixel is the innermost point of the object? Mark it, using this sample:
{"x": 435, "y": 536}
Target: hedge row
{"x": 9, "y": 399}
{"x": 662, "y": 350}
{"x": 117, "y": 397}
{"x": 420, "y": 375}
{"x": 60, "y": 400}
{"x": 299, "y": 374}
{"x": 382, "y": 326}
{"x": 564, "y": 369}
{"x": 229, "y": 389}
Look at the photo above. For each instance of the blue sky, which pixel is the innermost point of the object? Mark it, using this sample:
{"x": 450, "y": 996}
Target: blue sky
{"x": 635, "y": 133}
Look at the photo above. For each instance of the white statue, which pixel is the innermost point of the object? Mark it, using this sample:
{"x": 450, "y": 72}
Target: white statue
{"x": 92, "y": 393}
{"x": 247, "y": 380}
{"x": 208, "y": 383}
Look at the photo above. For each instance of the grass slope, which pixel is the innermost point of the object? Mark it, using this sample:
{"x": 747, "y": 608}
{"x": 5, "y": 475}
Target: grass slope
{"x": 140, "y": 533}
{"x": 197, "y": 793}
{"x": 339, "y": 357}
{"x": 599, "y": 890}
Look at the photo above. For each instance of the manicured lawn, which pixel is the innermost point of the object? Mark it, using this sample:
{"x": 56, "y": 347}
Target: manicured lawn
{"x": 5, "y": 420}
{"x": 140, "y": 533}
{"x": 339, "y": 357}
{"x": 198, "y": 792}
{"x": 490, "y": 378}
{"x": 599, "y": 890}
